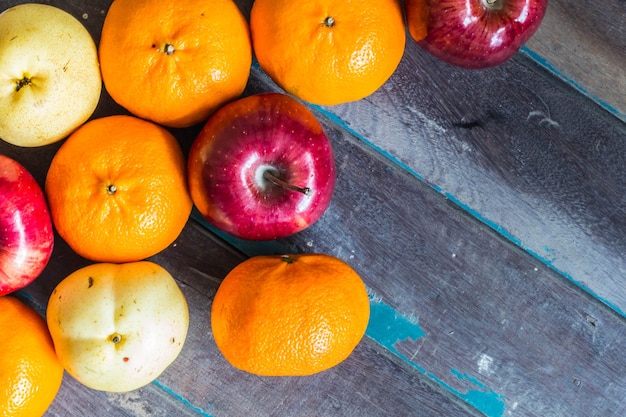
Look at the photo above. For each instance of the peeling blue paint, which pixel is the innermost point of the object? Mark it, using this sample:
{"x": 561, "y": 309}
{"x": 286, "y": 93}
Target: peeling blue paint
{"x": 387, "y": 327}
{"x": 483, "y": 398}
{"x": 181, "y": 398}
{"x": 471, "y": 211}
{"x": 549, "y": 254}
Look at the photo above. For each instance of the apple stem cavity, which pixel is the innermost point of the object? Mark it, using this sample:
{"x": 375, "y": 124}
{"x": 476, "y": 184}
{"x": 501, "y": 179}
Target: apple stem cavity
{"x": 329, "y": 22}
{"x": 111, "y": 189}
{"x": 269, "y": 176}
{"x": 493, "y": 4}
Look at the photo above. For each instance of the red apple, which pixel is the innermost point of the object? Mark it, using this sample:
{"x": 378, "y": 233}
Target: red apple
{"x": 26, "y": 236}
{"x": 478, "y": 33}
{"x": 262, "y": 168}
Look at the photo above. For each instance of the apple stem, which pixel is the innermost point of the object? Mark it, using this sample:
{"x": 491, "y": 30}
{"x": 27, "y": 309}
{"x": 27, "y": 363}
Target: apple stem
{"x": 329, "y": 21}
{"x": 111, "y": 189}
{"x": 269, "y": 176}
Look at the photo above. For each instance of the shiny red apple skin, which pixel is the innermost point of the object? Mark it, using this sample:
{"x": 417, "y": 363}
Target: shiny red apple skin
{"x": 26, "y": 234}
{"x": 477, "y": 34}
{"x": 237, "y": 144}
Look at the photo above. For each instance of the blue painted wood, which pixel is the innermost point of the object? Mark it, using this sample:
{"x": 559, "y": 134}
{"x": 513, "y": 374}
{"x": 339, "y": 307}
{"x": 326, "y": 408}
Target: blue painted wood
{"x": 485, "y": 212}
{"x": 491, "y": 324}
{"x": 584, "y": 43}
{"x": 524, "y": 154}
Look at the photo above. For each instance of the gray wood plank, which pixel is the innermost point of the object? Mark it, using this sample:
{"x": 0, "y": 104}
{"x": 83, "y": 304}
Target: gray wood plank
{"x": 74, "y": 400}
{"x": 497, "y": 323}
{"x": 502, "y": 330}
{"x": 585, "y": 43}
{"x": 529, "y": 156}
{"x": 485, "y": 213}
{"x": 532, "y": 158}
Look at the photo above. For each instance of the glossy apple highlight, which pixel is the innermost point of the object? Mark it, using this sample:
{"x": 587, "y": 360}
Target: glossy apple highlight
{"x": 262, "y": 168}
{"x": 26, "y": 234}
{"x": 479, "y": 34}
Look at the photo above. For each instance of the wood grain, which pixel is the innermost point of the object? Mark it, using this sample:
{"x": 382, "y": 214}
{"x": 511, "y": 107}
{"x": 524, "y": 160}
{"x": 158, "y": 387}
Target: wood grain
{"x": 485, "y": 212}
{"x": 585, "y": 43}
{"x": 491, "y": 313}
{"x": 524, "y": 153}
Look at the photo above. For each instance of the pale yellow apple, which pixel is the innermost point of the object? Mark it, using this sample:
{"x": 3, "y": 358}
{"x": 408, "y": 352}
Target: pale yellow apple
{"x": 50, "y": 80}
{"x": 117, "y": 327}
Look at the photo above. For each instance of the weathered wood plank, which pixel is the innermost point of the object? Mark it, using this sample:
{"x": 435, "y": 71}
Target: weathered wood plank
{"x": 461, "y": 317}
{"x": 513, "y": 147}
{"x": 74, "y": 400}
{"x": 585, "y": 43}
{"x": 526, "y": 154}
{"x": 501, "y": 330}
{"x": 495, "y": 320}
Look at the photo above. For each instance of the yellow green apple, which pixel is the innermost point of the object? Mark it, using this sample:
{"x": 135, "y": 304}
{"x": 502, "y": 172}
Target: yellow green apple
{"x": 117, "y": 327}
{"x": 50, "y": 80}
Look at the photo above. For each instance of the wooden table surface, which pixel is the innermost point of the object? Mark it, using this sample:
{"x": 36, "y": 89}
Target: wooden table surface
{"x": 486, "y": 212}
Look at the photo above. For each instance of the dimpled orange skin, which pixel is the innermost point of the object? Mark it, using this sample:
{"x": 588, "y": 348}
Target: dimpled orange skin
{"x": 290, "y": 315}
{"x": 174, "y": 61}
{"x": 328, "y": 52}
{"x": 30, "y": 373}
{"x": 117, "y": 189}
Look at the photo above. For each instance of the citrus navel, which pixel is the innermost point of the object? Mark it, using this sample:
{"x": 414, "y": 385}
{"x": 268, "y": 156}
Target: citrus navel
{"x": 117, "y": 189}
{"x": 30, "y": 372}
{"x": 289, "y": 315}
{"x": 328, "y": 51}
{"x": 174, "y": 61}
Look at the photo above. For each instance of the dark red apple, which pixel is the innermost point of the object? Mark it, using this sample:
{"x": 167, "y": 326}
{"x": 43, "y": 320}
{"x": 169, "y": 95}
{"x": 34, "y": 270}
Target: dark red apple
{"x": 478, "y": 34}
{"x": 262, "y": 168}
{"x": 26, "y": 236}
